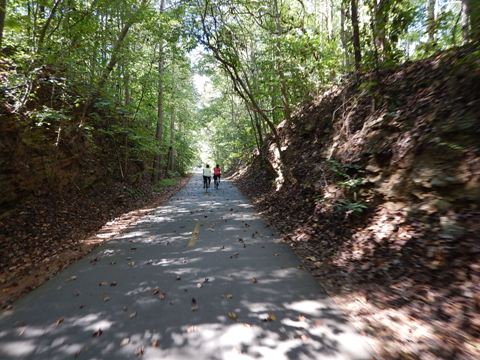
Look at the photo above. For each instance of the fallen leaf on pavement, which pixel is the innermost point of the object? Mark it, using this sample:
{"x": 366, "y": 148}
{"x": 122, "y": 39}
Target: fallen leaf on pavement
{"x": 228, "y": 296}
{"x": 59, "y": 321}
{"x": 155, "y": 343}
{"x": 304, "y": 337}
{"x": 71, "y": 278}
{"x": 317, "y": 323}
{"x": 106, "y": 298}
{"x": 194, "y": 304}
{"x": 270, "y": 317}
{"x": 97, "y": 333}
{"x": 132, "y": 315}
{"x": 191, "y": 329}
{"x": 124, "y": 342}
{"x": 103, "y": 283}
{"x": 233, "y": 316}
{"x": 253, "y": 280}
{"x": 162, "y": 296}
{"x": 140, "y": 351}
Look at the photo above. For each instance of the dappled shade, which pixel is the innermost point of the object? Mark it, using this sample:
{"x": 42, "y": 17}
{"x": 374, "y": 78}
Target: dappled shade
{"x": 253, "y": 299}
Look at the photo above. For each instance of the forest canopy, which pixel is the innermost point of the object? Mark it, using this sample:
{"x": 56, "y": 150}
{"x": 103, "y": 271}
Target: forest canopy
{"x": 125, "y": 74}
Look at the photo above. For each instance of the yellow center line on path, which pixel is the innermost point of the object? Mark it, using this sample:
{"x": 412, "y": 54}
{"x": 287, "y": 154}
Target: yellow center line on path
{"x": 195, "y": 233}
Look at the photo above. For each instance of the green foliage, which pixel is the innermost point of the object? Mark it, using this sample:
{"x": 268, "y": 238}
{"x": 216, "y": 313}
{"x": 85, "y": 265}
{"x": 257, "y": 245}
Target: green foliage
{"x": 68, "y": 57}
{"x": 45, "y": 116}
{"x": 162, "y": 184}
{"x": 343, "y": 171}
{"x": 351, "y": 207}
{"x": 351, "y": 183}
{"x": 134, "y": 192}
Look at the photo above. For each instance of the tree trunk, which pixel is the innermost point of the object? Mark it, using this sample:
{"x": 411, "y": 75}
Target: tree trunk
{"x": 160, "y": 118}
{"x": 160, "y": 109}
{"x": 379, "y": 22}
{"x": 128, "y": 99}
{"x": 329, "y": 18}
{"x": 343, "y": 36}
{"x": 373, "y": 28}
{"x": 431, "y": 21}
{"x": 171, "y": 160}
{"x": 3, "y": 12}
{"x": 472, "y": 8}
{"x": 464, "y": 20}
{"x": 259, "y": 129}
{"x": 283, "y": 84}
{"x": 254, "y": 128}
{"x": 356, "y": 36}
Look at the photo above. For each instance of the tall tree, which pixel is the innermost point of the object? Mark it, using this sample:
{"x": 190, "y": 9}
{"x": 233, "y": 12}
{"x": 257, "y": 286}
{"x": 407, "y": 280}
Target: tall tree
{"x": 3, "y": 12}
{"x": 117, "y": 46}
{"x": 46, "y": 25}
{"x": 160, "y": 105}
{"x": 343, "y": 34}
{"x": 472, "y": 8}
{"x": 283, "y": 85}
{"x": 171, "y": 145}
{"x": 356, "y": 35}
{"x": 431, "y": 20}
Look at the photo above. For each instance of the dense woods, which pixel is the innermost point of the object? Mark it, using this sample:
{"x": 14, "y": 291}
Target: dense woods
{"x": 106, "y": 101}
{"x": 119, "y": 75}
{"x": 83, "y": 79}
{"x": 276, "y": 55}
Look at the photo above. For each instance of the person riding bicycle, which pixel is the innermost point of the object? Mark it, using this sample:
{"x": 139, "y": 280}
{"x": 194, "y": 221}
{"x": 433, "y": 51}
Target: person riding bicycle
{"x": 207, "y": 176}
{"x": 217, "y": 173}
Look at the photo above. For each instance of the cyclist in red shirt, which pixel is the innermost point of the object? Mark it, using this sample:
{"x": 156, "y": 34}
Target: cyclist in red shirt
{"x": 217, "y": 173}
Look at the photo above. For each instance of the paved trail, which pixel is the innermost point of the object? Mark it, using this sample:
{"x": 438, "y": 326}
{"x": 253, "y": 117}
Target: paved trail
{"x": 200, "y": 278}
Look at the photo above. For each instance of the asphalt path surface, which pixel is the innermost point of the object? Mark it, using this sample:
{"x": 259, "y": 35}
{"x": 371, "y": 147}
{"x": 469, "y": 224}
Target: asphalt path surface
{"x": 202, "y": 277}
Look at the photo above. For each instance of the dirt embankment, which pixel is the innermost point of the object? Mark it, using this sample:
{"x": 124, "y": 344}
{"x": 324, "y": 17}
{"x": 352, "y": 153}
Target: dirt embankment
{"x": 384, "y": 206}
{"x": 60, "y": 183}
